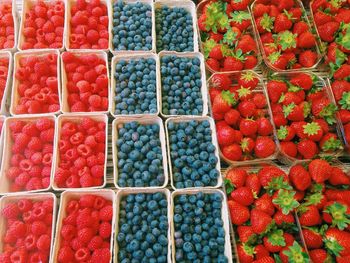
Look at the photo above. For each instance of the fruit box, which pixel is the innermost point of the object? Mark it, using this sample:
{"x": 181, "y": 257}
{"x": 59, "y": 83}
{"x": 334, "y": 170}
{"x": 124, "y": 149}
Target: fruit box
{"x": 33, "y": 197}
{"x": 111, "y": 48}
{"x": 15, "y": 83}
{"x": 204, "y": 91}
{"x": 66, "y": 196}
{"x": 128, "y": 56}
{"x": 77, "y": 119}
{"x": 224, "y": 216}
{"x": 125, "y": 192}
{"x": 144, "y": 120}
{"x": 4, "y": 105}
{"x": 65, "y": 93}
{"x": 7, "y": 145}
{"x": 214, "y": 141}
{"x": 190, "y": 7}
{"x": 16, "y": 21}
{"x": 2, "y": 131}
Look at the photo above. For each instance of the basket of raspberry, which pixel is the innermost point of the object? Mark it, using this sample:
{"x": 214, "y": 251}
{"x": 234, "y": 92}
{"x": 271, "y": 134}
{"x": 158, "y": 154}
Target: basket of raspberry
{"x": 193, "y": 152}
{"x": 285, "y": 35}
{"x": 175, "y": 23}
{"x": 227, "y": 37}
{"x": 81, "y": 151}
{"x": 36, "y": 83}
{"x": 324, "y": 213}
{"x": 85, "y": 226}
{"x": 9, "y": 26}
{"x": 139, "y": 153}
{"x": 132, "y": 27}
{"x": 85, "y": 81}
{"x": 200, "y": 226}
{"x": 262, "y": 206}
{"x": 42, "y": 25}
{"x": 183, "y": 84}
{"x": 87, "y": 24}
{"x": 135, "y": 85}
{"x": 142, "y": 230}
{"x": 5, "y": 80}
{"x": 304, "y": 113}
{"x": 243, "y": 119}
{"x": 27, "y": 225}
{"x": 27, "y": 154}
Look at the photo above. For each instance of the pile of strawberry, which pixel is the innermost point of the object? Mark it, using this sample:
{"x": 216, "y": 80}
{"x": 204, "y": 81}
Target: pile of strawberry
{"x": 30, "y": 149}
{"x": 240, "y": 109}
{"x": 4, "y": 70}
{"x": 226, "y": 33}
{"x": 87, "y": 81}
{"x": 36, "y": 84}
{"x": 81, "y": 157}
{"x": 325, "y": 212}
{"x": 7, "y": 29}
{"x": 27, "y": 231}
{"x": 262, "y": 203}
{"x": 303, "y": 115}
{"x": 86, "y": 230}
{"x": 285, "y": 34}
{"x": 43, "y": 25}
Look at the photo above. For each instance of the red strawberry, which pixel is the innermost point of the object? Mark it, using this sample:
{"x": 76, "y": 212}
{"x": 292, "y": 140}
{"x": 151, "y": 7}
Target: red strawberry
{"x": 213, "y": 64}
{"x": 343, "y": 16}
{"x": 232, "y": 152}
{"x": 313, "y": 239}
{"x": 260, "y": 9}
{"x": 299, "y": 128}
{"x": 250, "y": 62}
{"x": 201, "y": 23}
{"x": 300, "y": 27}
{"x": 265, "y": 260}
{"x": 259, "y": 100}
{"x": 237, "y": 176}
{"x": 264, "y": 23}
{"x": 282, "y": 23}
{"x": 253, "y": 183}
{"x": 330, "y": 142}
{"x": 338, "y": 241}
{"x": 300, "y": 177}
{"x": 285, "y": 133}
{"x": 261, "y": 252}
{"x": 279, "y": 120}
{"x": 320, "y": 170}
{"x": 239, "y": 4}
{"x": 338, "y": 195}
{"x": 274, "y": 241}
{"x": 307, "y": 148}
{"x": 260, "y": 221}
{"x": 232, "y": 116}
{"x": 264, "y": 147}
{"x": 245, "y": 253}
{"x": 239, "y": 213}
{"x": 248, "y": 80}
{"x": 232, "y": 64}
{"x": 248, "y": 127}
{"x": 339, "y": 87}
{"x": 221, "y": 81}
{"x": 267, "y": 38}
{"x": 264, "y": 203}
{"x": 323, "y": 124}
{"x": 344, "y": 116}
{"x": 243, "y": 195}
{"x": 322, "y": 18}
{"x": 213, "y": 92}
{"x": 337, "y": 214}
{"x": 277, "y": 60}
{"x": 319, "y": 255}
{"x": 247, "y": 44}
{"x": 284, "y": 4}
{"x": 247, "y": 145}
{"x": 342, "y": 72}
{"x": 246, "y": 234}
{"x": 270, "y": 174}
{"x": 275, "y": 89}
{"x": 327, "y": 31}
{"x": 222, "y": 103}
{"x": 296, "y": 13}
{"x": 246, "y": 108}
{"x": 285, "y": 201}
{"x": 294, "y": 112}
{"x": 216, "y": 52}
{"x": 302, "y": 80}
{"x": 274, "y": 12}
{"x": 264, "y": 126}
{"x": 289, "y": 148}
{"x": 313, "y": 131}
{"x": 338, "y": 177}
{"x": 309, "y": 216}
{"x": 225, "y": 135}
{"x": 291, "y": 97}
{"x": 324, "y": 108}
{"x": 307, "y": 58}
{"x": 281, "y": 218}
{"x": 241, "y": 19}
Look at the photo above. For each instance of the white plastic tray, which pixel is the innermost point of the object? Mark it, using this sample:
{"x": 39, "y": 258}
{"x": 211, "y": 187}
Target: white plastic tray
{"x": 6, "y": 97}
{"x": 16, "y": 19}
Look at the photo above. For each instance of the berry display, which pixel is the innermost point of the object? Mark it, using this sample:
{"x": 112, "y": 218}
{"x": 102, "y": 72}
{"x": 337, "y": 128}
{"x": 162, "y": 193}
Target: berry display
{"x": 181, "y": 79}
{"x": 81, "y": 158}
{"x": 27, "y": 235}
{"x": 7, "y": 29}
{"x": 227, "y": 35}
{"x": 143, "y": 228}
{"x": 36, "y": 77}
{"x": 136, "y": 86}
{"x": 88, "y": 25}
{"x": 43, "y": 25}
{"x": 139, "y": 153}
{"x": 174, "y": 29}
{"x": 132, "y": 26}
{"x": 192, "y": 153}
{"x": 242, "y": 116}
{"x": 198, "y": 228}
{"x": 87, "y": 81}
{"x": 85, "y": 233}
{"x": 30, "y": 147}
{"x": 4, "y": 72}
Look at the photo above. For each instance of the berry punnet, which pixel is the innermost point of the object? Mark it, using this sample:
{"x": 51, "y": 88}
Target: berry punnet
{"x": 132, "y": 26}
{"x": 174, "y": 29}
{"x": 143, "y": 228}
{"x": 135, "y": 86}
{"x": 81, "y": 156}
{"x": 181, "y": 85}
{"x": 35, "y": 83}
{"x": 139, "y": 154}
{"x": 7, "y": 28}
{"x": 86, "y": 84}
{"x": 42, "y": 25}
{"x": 30, "y": 149}
{"x": 27, "y": 229}
{"x": 199, "y": 232}
{"x": 4, "y": 74}
{"x": 88, "y": 25}
{"x": 192, "y": 153}
{"x": 86, "y": 229}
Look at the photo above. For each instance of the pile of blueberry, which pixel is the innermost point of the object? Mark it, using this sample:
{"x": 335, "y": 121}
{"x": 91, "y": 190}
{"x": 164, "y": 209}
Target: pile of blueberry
{"x": 199, "y": 233}
{"x": 181, "y": 86}
{"x": 135, "y": 91}
{"x": 192, "y": 154}
{"x": 132, "y": 26}
{"x": 174, "y": 29}
{"x": 140, "y": 161}
{"x": 143, "y": 227}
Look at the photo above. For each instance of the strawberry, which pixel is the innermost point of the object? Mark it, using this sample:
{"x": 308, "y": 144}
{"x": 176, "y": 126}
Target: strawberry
{"x": 239, "y": 213}
{"x": 264, "y": 203}
{"x": 291, "y": 97}
{"x": 221, "y": 81}
{"x": 307, "y": 148}
{"x": 281, "y": 218}
{"x": 338, "y": 177}
{"x": 232, "y": 152}
{"x": 287, "y": 41}
{"x": 247, "y": 44}
{"x": 299, "y": 128}
{"x": 343, "y": 16}
{"x": 237, "y": 176}
{"x": 313, "y": 131}
{"x": 341, "y": 92}
{"x": 307, "y": 58}
{"x": 213, "y": 64}
{"x": 253, "y": 183}
{"x": 232, "y": 116}
{"x": 239, "y": 4}
{"x": 309, "y": 215}
{"x": 294, "y": 112}
{"x": 246, "y": 234}
{"x": 294, "y": 253}
{"x": 264, "y": 23}
{"x": 247, "y": 145}
{"x": 296, "y": 13}
{"x": 201, "y": 23}
{"x": 264, "y": 147}
{"x": 259, "y": 100}
{"x": 222, "y": 103}
{"x": 261, "y": 251}
{"x": 338, "y": 195}
{"x": 337, "y": 242}
{"x": 213, "y": 92}
{"x": 248, "y": 127}
{"x": 285, "y": 133}
{"x": 245, "y": 253}
{"x": 225, "y": 134}
{"x": 243, "y": 195}
{"x": 317, "y": 4}
{"x": 267, "y": 38}
{"x": 323, "y": 124}
{"x": 306, "y": 40}
{"x": 274, "y": 12}
{"x": 250, "y": 62}
{"x": 302, "y": 80}
{"x": 342, "y": 72}
{"x": 324, "y": 108}
{"x": 279, "y": 120}
{"x": 277, "y": 60}
{"x": 337, "y": 214}
{"x": 319, "y": 255}
{"x": 260, "y": 9}
{"x": 300, "y": 177}
{"x": 240, "y": 19}
{"x": 330, "y": 142}
{"x": 217, "y": 37}
{"x": 327, "y": 31}
{"x": 285, "y": 4}
{"x": 264, "y": 126}
{"x": 312, "y": 237}
{"x": 282, "y": 22}
{"x": 322, "y": 18}
{"x": 274, "y": 241}
{"x": 300, "y": 27}
{"x": 260, "y": 221}
{"x": 246, "y": 108}
{"x": 232, "y": 64}
{"x": 271, "y": 175}
{"x": 248, "y": 80}
{"x": 344, "y": 116}
{"x": 275, "y": 89}
{"x": 285, "y": 201}
{"x": 289, "y": 148}
{"x": 216, "y": 53}
{"x": 265, "y": 260}
{"x": 320, "y": 170}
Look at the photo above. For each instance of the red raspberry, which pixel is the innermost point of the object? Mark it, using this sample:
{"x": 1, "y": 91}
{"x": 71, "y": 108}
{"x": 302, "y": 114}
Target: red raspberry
{"x": 36, "y": 158}
{"x": 68, "y": 129}
{"x": 5, "y": 257}
{"x": 18, "y": 229}
{"x": 101, "y": 255}
{"x": 86, "y": 180}
{"x": 22, "y": 179}
{"x": 106, "y": 213}
{"x": 97, "y": 171}
{"x": 71, "y": 219}
{"x": 10, "y": 211}
{"x": 43, "y": 124}
{"x": 22, "y": 140}
{"x": 66, "y": 254}
{"x": 87, "y": 201}
{"x": 105, "y": 230}
{"x": 44, "y": 242}
{"x": 24, "y": 205}
{"x": 39, "y": 213}
{"x": 68, "y": 232}
{"x": 82, "y": 255}
{"x": 95, "y": 243}
{"x": 19, "y": 255}
{"x": 91, "y": 161}
{"x": 13, "y": 172}
{"x": 61, "y": 176}
{"x": 30, "y": 242}
{"x": 34, "y": 184}
{"x": 30, "y": 129}
{"x": 85, "y": 235}
{"x": 72, "y": 206}
{"x": 47, "y": 135}
{"x": 35, "y": 144}
{"x": 38, "y": 228}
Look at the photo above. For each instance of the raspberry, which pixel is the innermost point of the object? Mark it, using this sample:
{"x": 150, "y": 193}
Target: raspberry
{"x": 19, "y": 255}
{"x": 68, "y": 232}
{"x": 18, "y": 229}
{"x": 43, "y": 124}
{"x": 30, "y": 129}
{"x": 47, "y": 159}
{"x": 95, "y": 101}
{"x": 82, "y": 254}
{"x": 30, "y": 242}
{"x": 76, "y": 244}
{"x": 10, "y": 211}
{"x": 71, "y": 219}
{"x": 13, "y": 172}
{"x": 24, "y": 205}
{"x": 86, "y": 180}
{"x": 84, "y": 150}
{"x": 5, "y": 257}
{"x": 87, "y": 201}
{"x": 95, "y": 243}
{"x": 105, "y": 230}
{"x": 97, "y": 171}
{"x": 66, "y": 254}
{"x": 72, "y": 206}
{"x": 43, "y": 242}
{"x": 38, "y": 213}
{"x": 100, "y": 136}
{"x": 85, "y": 235}
{"x": 21, "y": 140}
{"x": 61, "y": 176}
{"x": 22, "y": 179}
{"x": 36, "y": 158}
{"x": 106, "y": 213}
{"x": 68, "y": 129}
{"x": 101, "y": 255}
{"x": 47, "y": 135}
{"x": 35, "y": 144}
{"x": 34, "y": 184}
{"x": 45, "y": 182}
{"x": 38, "y": 228}
{"x": 91, "y": 161}
{"x": 99, "y": 202}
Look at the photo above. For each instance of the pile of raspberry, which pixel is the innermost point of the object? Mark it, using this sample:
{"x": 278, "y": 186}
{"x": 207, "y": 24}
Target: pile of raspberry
{"x": 43, "y": 25}
{"x": 4, "y": 65}
{"x": 28, "y": 230}
{"x": 31, "y": 154}
{"x": 81, "y": 157}
{"x": 87, "y": 82}
{"x": 37, "y": 87}
{"x": 7, "y": 29}
{"x": 86, "y": 230}
{"x": 89, "y": 25}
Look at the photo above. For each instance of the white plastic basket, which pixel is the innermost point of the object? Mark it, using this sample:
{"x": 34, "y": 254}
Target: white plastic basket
{"x": 6, "y": 97}
{"x": 16, "y": 19}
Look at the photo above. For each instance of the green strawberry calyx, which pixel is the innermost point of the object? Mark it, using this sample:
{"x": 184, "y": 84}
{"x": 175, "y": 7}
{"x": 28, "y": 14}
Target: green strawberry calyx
{"x": 337, "y": 3}
{"x": 332, "y": 144}
{"x": 243, "y": 92}
{"x": 276, "y": 238}
{"x": 313, "y": 199}
{"x": 288, "y": 109}
{"x": 277, "y": 183}
{"x": 216, "y": 17}
{"x": 293, "y": 88}
{"x": 339, "y": 215}
{"x": 230, "y": 37}
{"x": 267, "y": 22}
{"x": 229, "y": 186}
{"x": 286, "y": 201}
{"x": 288, "y": 14}
{"x": 249, "y": 250}
{"x": 311, "y": 128}
{"x": 239, "y": 16}
{"x": 328, "y": 113}
{"x": 282, "y": 132}
{"x": 316, "y": 188}
{"x": 344, "y": 40}
{"x": 345, "y": 101}
{"x": 333, "y": 246}
{"x": 287, "y": 40}
{"x": 306, "y": 109}
{"x": 208, "y": 45}
{"x": 245, "y": 144}
{"x": 296, "y": 254}
{"x": 227, "y": 96}
{"x": 248, "y": 76}
{"x": 274, "y": 57}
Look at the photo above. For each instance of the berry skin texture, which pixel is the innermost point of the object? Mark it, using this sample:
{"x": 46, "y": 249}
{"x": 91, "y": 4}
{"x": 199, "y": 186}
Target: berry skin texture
{"x": 7, "y": 38}
{"x": 4, "y": 65}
